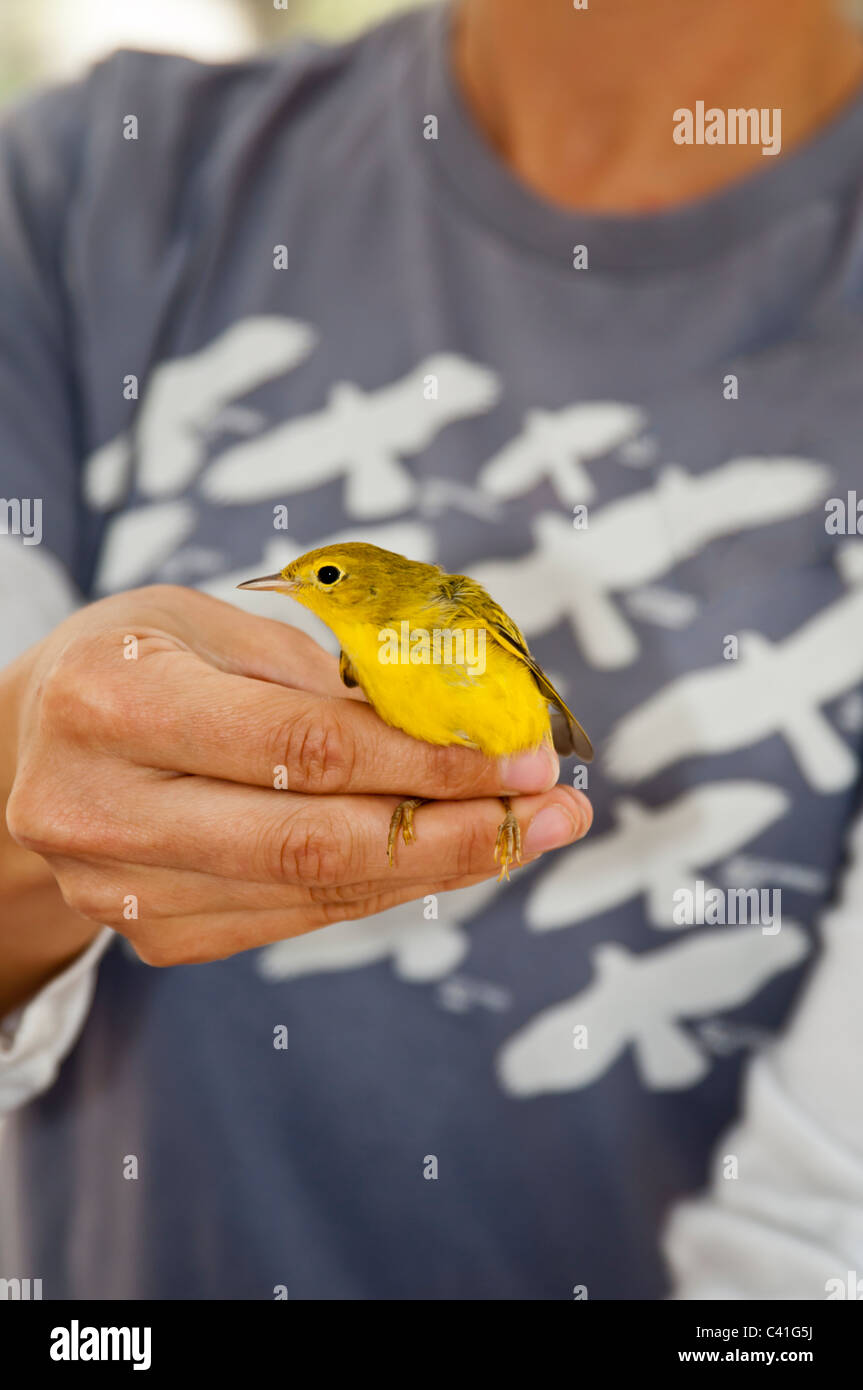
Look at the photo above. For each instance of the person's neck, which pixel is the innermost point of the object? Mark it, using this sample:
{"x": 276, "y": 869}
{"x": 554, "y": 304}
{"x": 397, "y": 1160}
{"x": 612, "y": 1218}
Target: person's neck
{"x": 580, "y": 103}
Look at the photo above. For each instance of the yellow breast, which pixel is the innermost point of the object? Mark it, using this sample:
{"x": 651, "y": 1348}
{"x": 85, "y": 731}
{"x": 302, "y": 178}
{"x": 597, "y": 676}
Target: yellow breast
{"x": 487, "y": 699}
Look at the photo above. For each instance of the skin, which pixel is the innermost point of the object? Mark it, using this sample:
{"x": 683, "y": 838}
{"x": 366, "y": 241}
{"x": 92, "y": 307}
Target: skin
{"x": 134, "y": 777}
{"x": 154, "y": 777}
{"x": 579, "y": 103}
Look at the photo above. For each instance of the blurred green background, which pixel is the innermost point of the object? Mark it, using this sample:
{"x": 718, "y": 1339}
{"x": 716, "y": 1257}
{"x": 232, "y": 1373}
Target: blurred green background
{"x": 47, "y": 40}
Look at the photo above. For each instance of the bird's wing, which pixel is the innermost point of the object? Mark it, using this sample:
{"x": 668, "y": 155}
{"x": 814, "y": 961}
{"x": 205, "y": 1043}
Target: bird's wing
{"x": 347, "y": 672}
{"x": 471, "y": 600}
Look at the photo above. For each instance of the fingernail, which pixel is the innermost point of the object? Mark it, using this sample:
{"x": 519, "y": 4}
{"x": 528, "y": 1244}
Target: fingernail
{"x": 529, "y": 772}
{"x": 552, "y": 828}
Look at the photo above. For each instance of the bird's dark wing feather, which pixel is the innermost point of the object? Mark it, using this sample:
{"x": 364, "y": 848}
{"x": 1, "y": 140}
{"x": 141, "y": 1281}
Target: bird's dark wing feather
{"x": 347, "y": 672}
{"x": 472, "y": 600}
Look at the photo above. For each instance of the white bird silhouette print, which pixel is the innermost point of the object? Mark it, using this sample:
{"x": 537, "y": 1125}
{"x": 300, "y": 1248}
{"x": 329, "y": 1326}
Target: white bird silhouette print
{"x": 654, "y": 852}
{"x": 554, "y": 444}
{"x": 772, "y": 688}
{"x": 359, "y": 436}
{"x": 183, "y": 397}
{"x": 574, "y": 574}
{"x": 137, "y": 542}
{"x": 420, "y": 950}
{"x": 641, "y": 1001}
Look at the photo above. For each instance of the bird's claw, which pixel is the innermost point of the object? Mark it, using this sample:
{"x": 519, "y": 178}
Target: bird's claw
{"x": 507, "y": 848}
{"x": 402, "y": 819}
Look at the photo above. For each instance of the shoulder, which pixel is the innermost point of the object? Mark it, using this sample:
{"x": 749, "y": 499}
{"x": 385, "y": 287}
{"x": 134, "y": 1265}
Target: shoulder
{"x": 172, "y": 111}
{"x": 172, "y": 94}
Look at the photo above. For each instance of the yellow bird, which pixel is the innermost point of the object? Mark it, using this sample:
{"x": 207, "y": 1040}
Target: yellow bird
{"x": 435, "y": 656}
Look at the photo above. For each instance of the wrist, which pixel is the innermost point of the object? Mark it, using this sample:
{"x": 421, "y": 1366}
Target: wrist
{"x": 19, "y": 868}
{"x": 39, "y": 933}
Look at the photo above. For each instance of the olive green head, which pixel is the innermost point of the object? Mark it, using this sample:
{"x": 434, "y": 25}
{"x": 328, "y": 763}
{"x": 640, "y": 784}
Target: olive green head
{"x": 359, "y": 582}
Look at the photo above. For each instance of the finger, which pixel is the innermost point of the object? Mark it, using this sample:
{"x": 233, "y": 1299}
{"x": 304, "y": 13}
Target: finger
{"x": 192, "y": 940}
{"x": 243, "y": 643}
{"x": 278, "y": 837}
{"x": 107, "y": 893}
{"x": 176, "y": 713}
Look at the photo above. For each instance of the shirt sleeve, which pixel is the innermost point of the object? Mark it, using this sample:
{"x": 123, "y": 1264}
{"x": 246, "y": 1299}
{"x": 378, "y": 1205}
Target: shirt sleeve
{"x": 35, "y": 1038}
{"x": 784, "y": 1214}
{"x": 41, "y": 425}
{"x": 40, "y": 485}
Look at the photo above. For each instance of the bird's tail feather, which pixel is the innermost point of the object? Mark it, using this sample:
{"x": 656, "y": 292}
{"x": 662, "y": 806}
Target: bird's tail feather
{"x": 569, "y": 737}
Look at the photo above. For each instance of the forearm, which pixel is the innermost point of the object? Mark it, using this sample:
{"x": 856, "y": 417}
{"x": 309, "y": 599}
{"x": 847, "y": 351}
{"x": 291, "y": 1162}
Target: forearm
{"x": 39, "y": 934}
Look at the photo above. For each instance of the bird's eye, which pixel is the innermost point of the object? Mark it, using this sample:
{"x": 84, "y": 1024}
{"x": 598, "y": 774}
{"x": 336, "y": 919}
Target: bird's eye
{"x": 328, "y": 574}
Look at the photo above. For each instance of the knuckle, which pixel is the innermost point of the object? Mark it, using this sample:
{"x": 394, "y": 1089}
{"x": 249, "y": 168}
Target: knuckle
{"x": 34, "y": 821}
{"x": 456, "y": 769}
{"x": 319, "y": 752}
{"x": 474, "y": 847}
{"x": 81, "y": 695}
{"x": 313, "y": 851}
{"x": 48, "y": 816}
{"x": 91, "y": 898}
{"x": 23, "y": 817}
{"x": 378, "y": 901}
{"x": 64, "y": 693}
{"x": 340, "y": 893}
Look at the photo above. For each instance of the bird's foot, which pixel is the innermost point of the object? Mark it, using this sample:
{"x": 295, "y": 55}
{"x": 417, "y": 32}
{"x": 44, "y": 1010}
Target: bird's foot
{"x": 507, "y": 849}
{"x": 403, "y": 820}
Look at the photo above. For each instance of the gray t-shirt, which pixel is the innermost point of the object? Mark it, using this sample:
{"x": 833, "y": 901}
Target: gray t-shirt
{"x": 335, "y": 299}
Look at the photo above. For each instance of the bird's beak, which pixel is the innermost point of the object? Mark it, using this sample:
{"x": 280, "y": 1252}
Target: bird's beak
{"x": 270, "y": 581}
